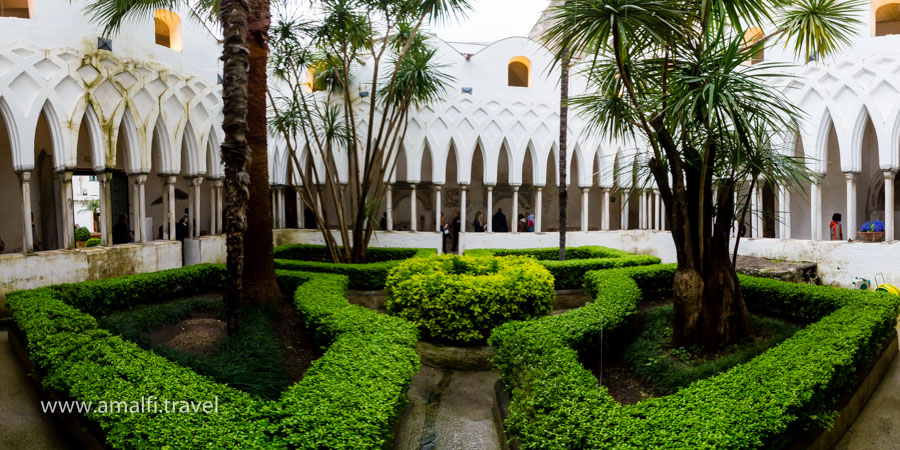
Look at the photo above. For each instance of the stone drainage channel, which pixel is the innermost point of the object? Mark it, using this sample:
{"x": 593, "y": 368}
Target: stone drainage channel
{"x": 455, "y": 398}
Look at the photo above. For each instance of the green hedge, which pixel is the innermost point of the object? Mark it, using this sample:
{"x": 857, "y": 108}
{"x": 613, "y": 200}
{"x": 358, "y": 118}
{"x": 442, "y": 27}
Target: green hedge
{"x": 92, "y": 242}
{"x": 460, "y": 299}
{"x": 369, "y": 277}
{"x": 82, "y": 234}
{"x": 308, "y": 252}
{"x": 349, "y": 398}
{"x": 569, "y": 274}
{"x": 557, "y": 403}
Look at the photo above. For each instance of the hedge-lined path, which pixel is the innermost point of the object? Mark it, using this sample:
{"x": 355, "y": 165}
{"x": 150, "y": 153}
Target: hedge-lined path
{"x": 878, "y": 425}
{"x": 22, "y": 423}
{"x": 449, "y": 410}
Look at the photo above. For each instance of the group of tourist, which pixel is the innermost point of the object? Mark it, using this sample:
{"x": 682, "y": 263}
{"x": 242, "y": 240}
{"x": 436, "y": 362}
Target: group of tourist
{"x": 499, "y": 224}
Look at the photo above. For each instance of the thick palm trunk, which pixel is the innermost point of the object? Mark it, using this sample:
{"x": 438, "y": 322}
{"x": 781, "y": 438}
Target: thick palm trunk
{"x": 259, "y": 272}
{"x": 563, "y": 142}
{"x": 235, "y": 152}
{"x": 709, "y": 308}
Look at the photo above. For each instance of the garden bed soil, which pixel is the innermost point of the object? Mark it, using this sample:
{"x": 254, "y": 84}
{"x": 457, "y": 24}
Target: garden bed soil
{"x": 200, "y": 333}
{"x": 297, "y": 344}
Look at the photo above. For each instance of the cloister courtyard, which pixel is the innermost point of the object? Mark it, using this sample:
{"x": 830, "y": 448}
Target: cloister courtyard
{"x": 449, "y": 224}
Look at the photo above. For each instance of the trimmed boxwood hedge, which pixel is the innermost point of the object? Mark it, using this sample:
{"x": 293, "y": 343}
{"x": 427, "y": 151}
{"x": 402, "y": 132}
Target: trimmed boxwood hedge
{"x": 349, "y": 398}
{"x": 569, "y": 274}
{"x": 370, "y": 276}
{"x": 557, "y": 403}
{"x": 460, "y": 299}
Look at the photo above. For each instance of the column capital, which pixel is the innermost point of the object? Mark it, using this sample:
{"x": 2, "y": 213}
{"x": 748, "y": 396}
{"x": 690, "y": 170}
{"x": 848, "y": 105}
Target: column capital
{"x": 489, "y": 187}
{"x": 412, "y": 186}
{"x": 140, "y": 179}
{"x": 851, "y": 176}
{"x": 25, "y": 176}
{"x": 464, "y": 187}
{"x": 889, "y": 173}
{"x": 515, "y": 188}
{"x": 195, "y": 181}
{"x": 437, "y": 187}
{"x": 585, "y": 190}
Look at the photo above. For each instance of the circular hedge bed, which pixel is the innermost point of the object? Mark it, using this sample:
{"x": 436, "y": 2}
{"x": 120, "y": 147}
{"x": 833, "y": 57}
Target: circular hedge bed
{"x": 460, "y": 299}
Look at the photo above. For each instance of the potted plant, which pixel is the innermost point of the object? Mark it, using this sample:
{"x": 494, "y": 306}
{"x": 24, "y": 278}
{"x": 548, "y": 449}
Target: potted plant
{"x": 872, "y": 231}
{"x": 81, "y": 237}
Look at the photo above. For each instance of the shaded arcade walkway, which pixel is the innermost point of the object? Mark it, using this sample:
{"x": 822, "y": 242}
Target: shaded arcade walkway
{"x": 22, "y": 424}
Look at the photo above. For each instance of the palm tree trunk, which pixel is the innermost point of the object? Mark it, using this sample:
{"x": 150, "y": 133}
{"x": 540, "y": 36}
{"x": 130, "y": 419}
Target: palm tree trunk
{"x": 235, "y": 152}
{"x": 563, "y": 129}
{"x": 259, "y": 273}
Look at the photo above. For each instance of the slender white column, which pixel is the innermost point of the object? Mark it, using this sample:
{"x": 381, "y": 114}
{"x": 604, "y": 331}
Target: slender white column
{"x": 604, "y": 221}
{"x": 538, "y": 209}
{"x": 658, "y": 200}
{"x": 389, "y": 207}
{"x": 584, "y": 208}
{"x": 515, "y": 211}
{"x": 784, "y": 206}
{"x": 412, "y": 208}
{"x": 815, "y": 214}
{"x": 623, "y": 224}
{"x": 437, "y": 210}
{"x": 104, "y": 208}
{"x": 490, "y": 209}
{"x": 299, "y": 201}
{"x": 212, "y": 206}
{"x": 221, "y": 207}
{"x": 273, "y": 196}
{"x": 68, "y": 208}
{"x": 850, "y": 220}
{"x": 888, "y": 205}
{"x": 136, "y": 209}
{"x": 754, "y": 214}
{"x": 462, "y": 208}
{"x": 642, "y": 209}
{"x": 282, "y": 216}
{"x": 165, "y": 208}
{"x": 195, "y": 214}
{"x": 142, "y": 210}
{"x": 170, "y": 217}
{"x": 25, "y": 189}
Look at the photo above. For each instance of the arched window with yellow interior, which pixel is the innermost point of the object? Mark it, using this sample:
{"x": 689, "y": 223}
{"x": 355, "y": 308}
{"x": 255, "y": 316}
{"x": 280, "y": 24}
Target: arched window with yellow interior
{"x": 15, "y": 8}
{"x": 887, "y": 18}
{"x": 519, "y": 72}
{"x": 168, "y": 29}
{"x": 752, "y": 36}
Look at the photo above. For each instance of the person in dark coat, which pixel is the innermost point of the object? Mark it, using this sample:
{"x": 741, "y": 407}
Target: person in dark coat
{"x": 120, "y": 231}
{"x": 457, "y": 224}
{"x": 499, "y": 222}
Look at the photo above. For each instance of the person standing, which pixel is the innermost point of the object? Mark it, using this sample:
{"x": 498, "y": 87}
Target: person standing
{"x": 530, "y": 225}
{"x": 445, "y": 234}
{"x": 837, "y": 230}
{"x": 521, "y": 224}
{"x": 182, "y": 227}
{"x": 478, "y": 224}
{"x": 34, "y": 236}
{"x": 499, "y": 222}
{"x": 457, "y": 224}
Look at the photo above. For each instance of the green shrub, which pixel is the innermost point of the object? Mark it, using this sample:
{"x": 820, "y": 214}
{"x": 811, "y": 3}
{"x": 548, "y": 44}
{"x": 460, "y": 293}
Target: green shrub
{"x": 369, "y": 277}
{"x": 82, "y": 234}
{"x": 762, "y": 403}
{"x": 569, "y": 274}
{"x": 92, "y": 242}
{"x": 349, "y": 398}
{"x": 460, "y": 299}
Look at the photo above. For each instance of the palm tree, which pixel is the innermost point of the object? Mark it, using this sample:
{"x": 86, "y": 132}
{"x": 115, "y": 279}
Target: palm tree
{"x": 244, "y": 124}
{"x": 678, "y": 74}
{"x": 563, "y": 141}
{"x": 368, "y": 130}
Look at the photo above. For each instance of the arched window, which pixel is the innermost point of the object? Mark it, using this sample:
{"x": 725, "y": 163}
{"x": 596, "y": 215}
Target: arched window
{"x": 752, "y": 36}
{"x": 887, "y": 19}
{"x": 15, "y": 8}
{"x": 168, "y": 29}
{"x": 519, "y": 72}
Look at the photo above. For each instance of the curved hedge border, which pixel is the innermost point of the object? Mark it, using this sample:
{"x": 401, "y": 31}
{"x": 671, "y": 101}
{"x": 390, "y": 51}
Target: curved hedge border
{"x": 370, "y": 276}
{"x": 557, "y": 403}
{"x": 349, "y": 398}
{"x": 569, "y": 274}
{"x": 460, "y": 299}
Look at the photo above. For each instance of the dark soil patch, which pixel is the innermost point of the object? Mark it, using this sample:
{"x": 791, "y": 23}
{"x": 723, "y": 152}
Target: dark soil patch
{"x": 298, "y": 344}
{"x": 197, "y": 335}
{"x": 624, "y": 386}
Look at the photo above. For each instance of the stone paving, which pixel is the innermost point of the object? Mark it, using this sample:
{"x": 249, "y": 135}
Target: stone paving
{"x": 23, "y": 426}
